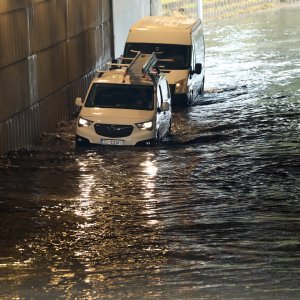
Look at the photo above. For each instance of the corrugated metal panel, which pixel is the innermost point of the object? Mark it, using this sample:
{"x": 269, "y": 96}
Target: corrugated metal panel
{"x": 3, "y": 138}
{"x": 85, "y": 52}
{"x": 35, "y": 92}
{"x": 79, "y": 88}
{"x": 9, "y": 5}
{"x": 107, "y": 43}
{"x": 47, "y": 24}
{"x": 34, "y": 2}
{"x": 14, "y": 83}
{"x": 13, "y": 37}
{"x": 52, "y": 110}
{"x": 99, "y": 48}
{"x": 75, "y": 18}
{"x": 93, "y": 13}
{"x": 78, "y": 56}
{"x": 51, "y": 70}
{"x": 106, "y": 10}
{"x": 25, "y": 129}
{"x": 33, "y": 82}
{"x": 5, "y": 144}
{"x": 83, "y": 15}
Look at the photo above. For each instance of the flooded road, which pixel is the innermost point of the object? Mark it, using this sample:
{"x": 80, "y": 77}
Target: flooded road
{"x": 213, "y": 213}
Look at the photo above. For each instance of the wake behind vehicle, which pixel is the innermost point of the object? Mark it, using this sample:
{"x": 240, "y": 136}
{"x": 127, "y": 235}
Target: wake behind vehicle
{"x": 128, "y": 105}
{"x": 178, "y": 43}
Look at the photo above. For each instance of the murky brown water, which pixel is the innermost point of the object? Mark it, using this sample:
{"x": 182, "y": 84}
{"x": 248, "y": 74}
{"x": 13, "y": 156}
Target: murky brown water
{"x": 214, "y": 213}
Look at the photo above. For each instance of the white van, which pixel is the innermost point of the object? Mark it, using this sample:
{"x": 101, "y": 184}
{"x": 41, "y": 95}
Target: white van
{"x": 178, "y": 43}
{"x": 127, "y": 105}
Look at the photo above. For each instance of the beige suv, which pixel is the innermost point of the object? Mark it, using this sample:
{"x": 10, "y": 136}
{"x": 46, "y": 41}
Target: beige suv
{"x": 127, "y": 105}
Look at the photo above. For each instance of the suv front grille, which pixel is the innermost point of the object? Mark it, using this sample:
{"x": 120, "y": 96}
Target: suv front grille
{"x": 113, "y": 131}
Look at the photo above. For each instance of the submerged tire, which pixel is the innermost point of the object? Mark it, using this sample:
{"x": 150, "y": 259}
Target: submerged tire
{"x": 156, "y": 141}
{"x": 81, "y": 142}
{"x": 201, "y": 92}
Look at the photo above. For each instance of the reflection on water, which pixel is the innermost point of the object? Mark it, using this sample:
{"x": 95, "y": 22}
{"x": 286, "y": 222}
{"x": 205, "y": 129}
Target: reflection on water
{"x": 211, "y": 214}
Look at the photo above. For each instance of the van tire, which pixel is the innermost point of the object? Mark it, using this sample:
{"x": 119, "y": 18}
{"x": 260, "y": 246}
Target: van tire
{"x": 156, "y": 141}
{"x": 80, "y": 142}
{"x": 201, "y": 92}
{"x": 189, "y": 99}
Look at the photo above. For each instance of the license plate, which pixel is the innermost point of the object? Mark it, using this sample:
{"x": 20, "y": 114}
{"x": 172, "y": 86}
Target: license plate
{"x": 111, "y": 142}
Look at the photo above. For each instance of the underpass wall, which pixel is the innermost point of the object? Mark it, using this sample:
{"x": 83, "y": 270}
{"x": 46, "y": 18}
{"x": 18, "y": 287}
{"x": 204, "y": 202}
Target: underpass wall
{"x": 49, "y": 50}
{"x": 124, "y": 17}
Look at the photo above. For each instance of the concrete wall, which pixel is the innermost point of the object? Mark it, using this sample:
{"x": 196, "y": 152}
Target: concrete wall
{"x": 125, "y": 14}
{"x": 49, "y": 50}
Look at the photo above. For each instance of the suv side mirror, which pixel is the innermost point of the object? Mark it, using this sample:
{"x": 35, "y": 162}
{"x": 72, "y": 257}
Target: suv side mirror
{"x": 165, "y": 106}
{"x": 78, "y": 102}
{"x": 198, "y": 68}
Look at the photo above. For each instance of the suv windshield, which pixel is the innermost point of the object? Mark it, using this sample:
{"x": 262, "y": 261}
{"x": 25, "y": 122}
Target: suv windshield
{"x": 173, "y": 57}
{"x": 124, "y": 96}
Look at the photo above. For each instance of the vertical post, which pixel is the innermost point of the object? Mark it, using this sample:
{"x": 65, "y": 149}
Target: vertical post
{"x": 112, "y": 22}
{"x": 200, "y": 9}
{"x": 155, "y": 7}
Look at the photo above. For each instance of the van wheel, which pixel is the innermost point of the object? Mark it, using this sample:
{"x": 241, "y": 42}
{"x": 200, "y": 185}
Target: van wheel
{"x": 156, "y": 141}
{"x": 201, "y": 92}
{"x": 189, "y": 98}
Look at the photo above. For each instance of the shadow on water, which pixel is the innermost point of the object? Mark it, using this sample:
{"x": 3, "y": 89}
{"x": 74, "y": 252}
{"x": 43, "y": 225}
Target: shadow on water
{"x": 216, "y": 95}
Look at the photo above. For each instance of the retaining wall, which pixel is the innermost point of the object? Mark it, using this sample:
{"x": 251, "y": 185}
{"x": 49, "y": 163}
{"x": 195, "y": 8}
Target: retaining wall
{"x": 217, "y": 9}
{"x": 49, "y": 50}
{"x": 214, "y": 9}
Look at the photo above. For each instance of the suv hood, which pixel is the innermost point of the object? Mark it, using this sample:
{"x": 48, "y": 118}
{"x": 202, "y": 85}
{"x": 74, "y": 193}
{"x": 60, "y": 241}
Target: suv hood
{"x": 116, "y": 116}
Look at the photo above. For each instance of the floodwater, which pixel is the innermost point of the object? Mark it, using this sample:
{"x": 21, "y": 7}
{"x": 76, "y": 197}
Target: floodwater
{"x": 213, "y": 213}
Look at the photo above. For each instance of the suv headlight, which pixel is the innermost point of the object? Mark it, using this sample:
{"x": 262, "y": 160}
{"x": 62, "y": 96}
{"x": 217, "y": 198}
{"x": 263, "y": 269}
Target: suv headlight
{"x": 181, "y": 87}
{"x": 84, "y": 122}
{"x": 145, "y": 125}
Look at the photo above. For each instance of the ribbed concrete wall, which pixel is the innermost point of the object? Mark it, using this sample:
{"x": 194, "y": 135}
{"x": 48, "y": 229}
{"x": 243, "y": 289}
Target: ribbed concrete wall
{"x": 49, "y": 50}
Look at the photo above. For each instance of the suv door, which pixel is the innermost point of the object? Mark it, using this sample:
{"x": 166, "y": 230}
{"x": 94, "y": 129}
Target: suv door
{"x": 164, "y": 116}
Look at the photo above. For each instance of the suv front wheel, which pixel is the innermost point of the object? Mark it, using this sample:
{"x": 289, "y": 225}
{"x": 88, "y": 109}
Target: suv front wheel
{"x": 81, "y": 142}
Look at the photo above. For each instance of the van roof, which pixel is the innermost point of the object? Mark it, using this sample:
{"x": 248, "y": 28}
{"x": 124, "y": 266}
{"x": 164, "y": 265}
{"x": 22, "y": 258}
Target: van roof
{"x": 163, "y": 29}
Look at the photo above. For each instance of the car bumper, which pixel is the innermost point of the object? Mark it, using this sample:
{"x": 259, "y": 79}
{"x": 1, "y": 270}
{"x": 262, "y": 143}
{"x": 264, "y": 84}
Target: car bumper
{"x": 87, "y": 135}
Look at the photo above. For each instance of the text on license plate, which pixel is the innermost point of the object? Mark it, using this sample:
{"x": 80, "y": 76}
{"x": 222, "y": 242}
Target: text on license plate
{"x": 111, "y": 142}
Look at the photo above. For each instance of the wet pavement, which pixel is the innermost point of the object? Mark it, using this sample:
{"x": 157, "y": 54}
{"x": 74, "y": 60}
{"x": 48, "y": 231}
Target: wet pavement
{"x": 213, "y": 213}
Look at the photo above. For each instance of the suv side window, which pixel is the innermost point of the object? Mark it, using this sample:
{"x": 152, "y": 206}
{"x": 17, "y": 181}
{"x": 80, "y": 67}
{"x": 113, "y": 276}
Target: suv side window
{"x": 159, "y": 97}
{"x": 164, "y": 90}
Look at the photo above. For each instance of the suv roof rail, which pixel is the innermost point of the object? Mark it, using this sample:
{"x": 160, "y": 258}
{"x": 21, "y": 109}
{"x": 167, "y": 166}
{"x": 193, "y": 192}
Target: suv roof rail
{"x": 138, "y": 67}
{"x": 126, "y": 65}
{"x": 149, "y": 65}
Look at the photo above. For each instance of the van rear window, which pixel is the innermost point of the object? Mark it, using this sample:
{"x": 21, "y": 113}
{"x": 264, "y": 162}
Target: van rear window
{"x": 123, "y": 96}
{"x": 173, "y": 57}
